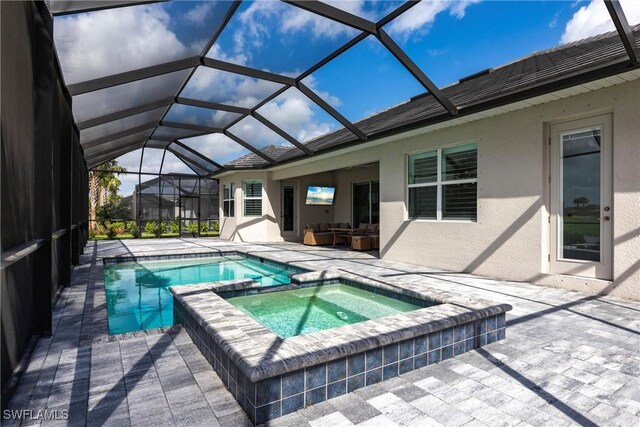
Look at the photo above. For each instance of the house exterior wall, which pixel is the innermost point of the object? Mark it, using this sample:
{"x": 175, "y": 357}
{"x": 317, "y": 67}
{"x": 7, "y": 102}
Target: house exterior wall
{"x": 312, "y": 214}
{"x": 252, "y": 229}
{"x": 344, "y": 184}
{"x": 510, "y": 239}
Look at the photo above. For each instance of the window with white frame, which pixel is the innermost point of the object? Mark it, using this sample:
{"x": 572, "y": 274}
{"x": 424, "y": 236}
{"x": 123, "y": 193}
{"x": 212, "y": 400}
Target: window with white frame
{"x": 443, "y": 183}
{"x": 228, "y": 202}
{"x": 252, "y": 197}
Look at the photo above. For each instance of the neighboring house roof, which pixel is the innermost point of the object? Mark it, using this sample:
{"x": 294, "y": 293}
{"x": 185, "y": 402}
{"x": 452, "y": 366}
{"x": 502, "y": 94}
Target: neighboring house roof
{"x": 541, "y": 72}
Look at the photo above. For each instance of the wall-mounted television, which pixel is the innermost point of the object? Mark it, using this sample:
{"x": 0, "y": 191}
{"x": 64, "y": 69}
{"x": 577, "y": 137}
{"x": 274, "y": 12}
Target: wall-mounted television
{"x": 320, "y": 196}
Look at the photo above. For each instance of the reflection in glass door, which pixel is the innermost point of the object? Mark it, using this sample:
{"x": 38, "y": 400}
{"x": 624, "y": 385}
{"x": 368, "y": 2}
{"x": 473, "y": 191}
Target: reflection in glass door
{"x": 580, "y": 207}
{"x": 366, "y": 202}
{"x": 581, "y": 198}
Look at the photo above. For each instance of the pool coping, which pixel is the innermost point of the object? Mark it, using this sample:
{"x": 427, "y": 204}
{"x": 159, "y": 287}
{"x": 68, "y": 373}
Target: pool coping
{"x": 260, "y": 354}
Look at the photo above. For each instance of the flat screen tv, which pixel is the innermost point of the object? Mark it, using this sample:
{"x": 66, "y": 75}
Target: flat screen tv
{"x": 320, "y": 196}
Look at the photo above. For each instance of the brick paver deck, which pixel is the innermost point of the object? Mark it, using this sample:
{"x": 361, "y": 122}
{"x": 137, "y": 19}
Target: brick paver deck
{"x": 569, "y": 358}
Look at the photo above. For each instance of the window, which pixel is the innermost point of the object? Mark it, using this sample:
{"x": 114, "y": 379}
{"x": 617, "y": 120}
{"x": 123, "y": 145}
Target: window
{"x": 252, "y": 198}
{"x": 228, "y": 202}
{"x": 443, "y": 184}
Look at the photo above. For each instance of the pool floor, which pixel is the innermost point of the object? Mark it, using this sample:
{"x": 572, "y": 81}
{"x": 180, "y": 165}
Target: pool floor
{"x": 300, "y": 311}
{"x": 137, "y": 293}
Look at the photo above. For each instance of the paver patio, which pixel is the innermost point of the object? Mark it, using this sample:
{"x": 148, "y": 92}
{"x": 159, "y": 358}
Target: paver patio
{"x": 569, "y": 358}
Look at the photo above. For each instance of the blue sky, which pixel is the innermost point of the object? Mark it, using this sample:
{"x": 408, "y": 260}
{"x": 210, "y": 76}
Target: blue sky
{"x": 448, "y": 39}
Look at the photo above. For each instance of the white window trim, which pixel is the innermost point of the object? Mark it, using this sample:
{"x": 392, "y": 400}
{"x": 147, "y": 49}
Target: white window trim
{"x": 245, "y": 197}
{"x": 231, "y": 198}
{"x": 439, "y": 183}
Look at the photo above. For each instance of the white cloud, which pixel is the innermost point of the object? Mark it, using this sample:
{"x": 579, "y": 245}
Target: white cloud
{"x": 151, "y": 160}
{"x": 255, "y": 133}
{"x": 228, "y": 88}
{"x": 127, "y": 184}
{"x": 594, "y": 19}
{"x": 200, "y": 13}
{"x": 263, "y": 16}
{"x": 216, "y": 147}
{"x": 97, "y": 44}
{"x": 131, "y": 160}
{"x": 418, "y": 19}
{"x": 174, "y": 164}
{"x": 292, "y": 112}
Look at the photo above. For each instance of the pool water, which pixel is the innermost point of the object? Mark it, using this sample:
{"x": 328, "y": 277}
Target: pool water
{"x": 300, "y": 311}
{"x": 138, "y": 294}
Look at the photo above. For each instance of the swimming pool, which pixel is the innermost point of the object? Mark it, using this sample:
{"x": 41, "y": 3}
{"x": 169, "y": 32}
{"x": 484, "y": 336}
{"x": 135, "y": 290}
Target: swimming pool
{"x": 300, "y": 311}
{"x": 137, "y": 293}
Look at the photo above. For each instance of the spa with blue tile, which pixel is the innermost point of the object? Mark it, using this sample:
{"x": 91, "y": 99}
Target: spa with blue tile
{"x": 270, "y": 376}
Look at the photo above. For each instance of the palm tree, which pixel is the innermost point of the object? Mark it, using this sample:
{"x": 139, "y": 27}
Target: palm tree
{"x": 103, "y": 188}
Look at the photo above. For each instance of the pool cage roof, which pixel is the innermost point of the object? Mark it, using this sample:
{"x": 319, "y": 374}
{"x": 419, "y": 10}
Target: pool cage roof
{"x": 186, "y": 107}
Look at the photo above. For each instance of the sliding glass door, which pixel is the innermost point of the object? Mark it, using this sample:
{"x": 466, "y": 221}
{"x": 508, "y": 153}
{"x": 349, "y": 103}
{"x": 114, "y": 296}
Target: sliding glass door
{"x": 365, "y": 202}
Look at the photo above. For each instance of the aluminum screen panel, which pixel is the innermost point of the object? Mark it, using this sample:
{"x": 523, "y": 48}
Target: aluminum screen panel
{"x": 364, "y": 80}
{"x": 222, "y": 87}
{"x": 192, "y": 159}
{"x": 172, "y": 164}
{"x": 216, "y": 147}
{"x": 154, "y": 143}
{"x": 200, "y": 116}
{"x": 111, "y": 154}
{"x": 478, "y": 46}
{"x": 165, "y": 132}
{"x": 131, "y": 160}
{"x": 73, "y": 6}
{"x": 139, "y": 36}
{"x": 116, "y": 126}
{"x": 260, "y": 32}
{"x": 91, "y": 147}
{"x": 297, "y": 115}
{"x": 118, "y": 98}
{"x": 152, "y": 160}
{"x": 373, "y": 10}
{"x": 256, "y": 134}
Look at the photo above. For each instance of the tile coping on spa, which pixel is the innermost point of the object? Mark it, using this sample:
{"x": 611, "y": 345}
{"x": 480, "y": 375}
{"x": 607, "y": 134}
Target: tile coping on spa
{"x": 260, "y": 354}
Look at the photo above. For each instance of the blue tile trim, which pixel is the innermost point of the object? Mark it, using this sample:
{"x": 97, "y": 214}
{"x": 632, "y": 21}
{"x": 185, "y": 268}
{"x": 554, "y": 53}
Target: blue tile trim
{"x": 284, "y": 394}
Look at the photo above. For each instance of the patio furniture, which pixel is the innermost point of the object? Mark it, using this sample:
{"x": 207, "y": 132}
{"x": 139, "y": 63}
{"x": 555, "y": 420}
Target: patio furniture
{"x": 341, "y": 235}
{"x": 361, "y": 243}
{"x": 319, "y": 234}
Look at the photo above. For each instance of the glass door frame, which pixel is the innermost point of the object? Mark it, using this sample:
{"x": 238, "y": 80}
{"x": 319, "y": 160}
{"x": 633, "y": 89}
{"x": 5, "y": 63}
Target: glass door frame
{"x": 294, "y": 232}
{"x": 370, "y": 183}
{"x": 601, "y": 269}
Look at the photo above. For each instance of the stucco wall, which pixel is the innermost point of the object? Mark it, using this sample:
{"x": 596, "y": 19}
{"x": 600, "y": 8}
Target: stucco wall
{"x": 344, "y": 182}
{"x": 313, "y": 214}
{"x": 510, "y": 238}
{"x": 252, "y": 229}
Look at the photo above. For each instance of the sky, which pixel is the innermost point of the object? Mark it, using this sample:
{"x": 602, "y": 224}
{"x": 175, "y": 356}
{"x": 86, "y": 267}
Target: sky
{"x": 448, "y": 39}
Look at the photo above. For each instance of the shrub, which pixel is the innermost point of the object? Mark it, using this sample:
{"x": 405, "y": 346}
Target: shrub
{"x": 204, "y": 227}
{"x": 174, "y": 226}
{"x": 111, "y": 233}
{"x": 132, "y": 227}
{"x": 118, "y": 227}
{"x": 163, "y": 228}
{"x": 193, "y": 228}
{"x": 215, "y": 227}
{"x": 151, "y": 227}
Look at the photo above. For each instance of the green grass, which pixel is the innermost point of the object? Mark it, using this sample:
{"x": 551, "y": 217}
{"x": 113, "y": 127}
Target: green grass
{"x": 581, "y": 226}
{"x": 150, "y": 236}
{"x": 210, "y": 234}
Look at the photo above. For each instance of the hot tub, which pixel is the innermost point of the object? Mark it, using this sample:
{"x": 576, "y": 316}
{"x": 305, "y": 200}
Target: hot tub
{"x": 273, "y": 370}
